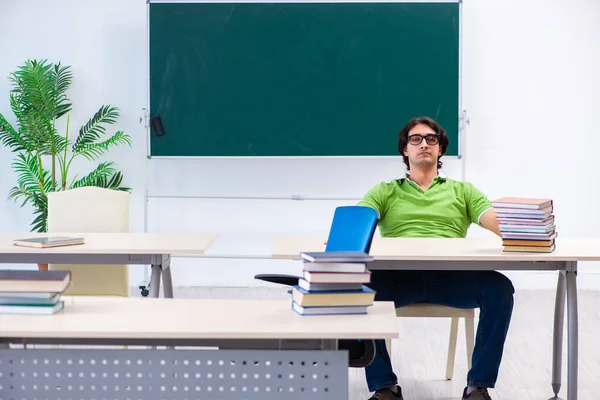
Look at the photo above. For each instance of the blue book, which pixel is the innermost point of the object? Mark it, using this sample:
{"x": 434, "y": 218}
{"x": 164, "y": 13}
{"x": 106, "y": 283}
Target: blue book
{"x": 335, "y": 310}
{"x": 336, "y": 256}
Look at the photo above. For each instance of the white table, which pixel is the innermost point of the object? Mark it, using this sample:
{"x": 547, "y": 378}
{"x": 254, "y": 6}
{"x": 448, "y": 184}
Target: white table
{"x": 265, "y": 350}
{"x": 482, "y": 254}
{"x": 154, "y": 249}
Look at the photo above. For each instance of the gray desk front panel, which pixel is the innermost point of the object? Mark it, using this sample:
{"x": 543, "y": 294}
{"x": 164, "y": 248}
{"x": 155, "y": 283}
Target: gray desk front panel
{"x": 84, "y": 374}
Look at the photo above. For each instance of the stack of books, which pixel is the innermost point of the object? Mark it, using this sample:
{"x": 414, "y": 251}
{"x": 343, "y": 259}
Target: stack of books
{"x": 32, "y": 291}
{"x": 333, "y": 282}
{"x": 526, "y": 224}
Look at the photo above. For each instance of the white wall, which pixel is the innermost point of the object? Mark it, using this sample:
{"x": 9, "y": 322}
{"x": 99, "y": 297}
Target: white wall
{"x": 532, "y": 90}
{"x": 530, "y": 87}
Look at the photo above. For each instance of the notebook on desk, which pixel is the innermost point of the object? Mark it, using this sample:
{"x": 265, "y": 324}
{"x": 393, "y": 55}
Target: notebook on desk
{"x": 49, "y": 241}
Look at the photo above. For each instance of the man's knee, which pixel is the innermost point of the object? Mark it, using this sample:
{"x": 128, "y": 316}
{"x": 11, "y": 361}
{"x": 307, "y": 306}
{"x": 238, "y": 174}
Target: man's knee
{"x": 499, "y": 286}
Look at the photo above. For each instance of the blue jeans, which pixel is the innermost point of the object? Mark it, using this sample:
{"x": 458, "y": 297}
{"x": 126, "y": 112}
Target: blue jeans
{"x": 491, "y": 291}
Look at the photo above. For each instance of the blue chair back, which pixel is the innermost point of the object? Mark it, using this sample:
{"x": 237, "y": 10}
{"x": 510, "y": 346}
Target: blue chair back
{"x": 352, "y": 229}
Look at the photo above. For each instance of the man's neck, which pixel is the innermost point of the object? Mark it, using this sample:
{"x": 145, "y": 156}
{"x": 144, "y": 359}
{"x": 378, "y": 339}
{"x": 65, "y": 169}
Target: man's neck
{"x": 423, "y": 177}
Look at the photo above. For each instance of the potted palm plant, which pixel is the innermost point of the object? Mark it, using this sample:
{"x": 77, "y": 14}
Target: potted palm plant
{"x": 44, "y": 155}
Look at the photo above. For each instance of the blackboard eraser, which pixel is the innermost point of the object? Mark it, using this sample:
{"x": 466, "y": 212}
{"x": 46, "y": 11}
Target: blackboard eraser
{"x": 158, "y": 128}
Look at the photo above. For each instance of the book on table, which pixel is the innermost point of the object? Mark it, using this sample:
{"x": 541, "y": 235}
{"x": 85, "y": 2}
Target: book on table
{"x": 327, "y": 287}
{"x": 20, "y": 281}
{"x": 32, "y": 291}
{"x": 337, "y": 277}
{"x": 529, "y": 249}
{"x": 363, "y": 297}
{"x": 325, "y": 310}
{"x": 32, "y": 309}
{"x": 526, "y": 224}
{"x": 333, "y": 282}
{"x": 336, "y": 256}
{"x": 348, "y": 267}
{"x": 522, "y": 203}
{"x": 528, "y": 242}
{"x": 48, "y": 241}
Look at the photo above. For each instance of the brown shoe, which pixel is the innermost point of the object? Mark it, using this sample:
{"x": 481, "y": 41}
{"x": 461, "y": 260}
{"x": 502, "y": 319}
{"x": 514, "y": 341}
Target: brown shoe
{"x": 480, "y": 393}
{"x": 387, "y": 394}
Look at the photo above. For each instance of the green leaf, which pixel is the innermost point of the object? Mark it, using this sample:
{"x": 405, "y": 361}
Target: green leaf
{"x": 113, "y": 182}
{"x": 29, "y": 175}
{"x": 38, "y": 131}
{"x": 41, "y": 87}
{"x": 62, "y": 77}
{"x": 34, "y": 87}
{"x": 94, "y": 150}
{"x": 10, "y": 137}
{"x": 40, "y": 223}
{"x": 58, "y": 144}
{"x": 93, "y": 129}
{"x": 37, "y": 97}
{"x": 104, "y": 170}
{"x": 21, "y": 191}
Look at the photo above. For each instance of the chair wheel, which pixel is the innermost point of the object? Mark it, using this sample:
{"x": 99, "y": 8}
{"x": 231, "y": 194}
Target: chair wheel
{"x": 145, "y": 292}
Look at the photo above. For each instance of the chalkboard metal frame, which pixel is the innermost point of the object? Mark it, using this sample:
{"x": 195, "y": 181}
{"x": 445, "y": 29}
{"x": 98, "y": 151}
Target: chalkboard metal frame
{"x": 462, "y": 113}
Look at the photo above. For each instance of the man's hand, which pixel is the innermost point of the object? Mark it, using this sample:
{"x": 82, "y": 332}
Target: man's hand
{"x": 488, "y": 221}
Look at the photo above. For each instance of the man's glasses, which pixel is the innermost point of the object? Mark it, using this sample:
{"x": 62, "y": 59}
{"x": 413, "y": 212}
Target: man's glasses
{"x": 431, "y": 139}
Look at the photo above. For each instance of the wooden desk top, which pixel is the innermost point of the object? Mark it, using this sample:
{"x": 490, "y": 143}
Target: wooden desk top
{"x": 116, "y": 243}
{"x": 467, "y": 249}
{"x": 148, "y": 318}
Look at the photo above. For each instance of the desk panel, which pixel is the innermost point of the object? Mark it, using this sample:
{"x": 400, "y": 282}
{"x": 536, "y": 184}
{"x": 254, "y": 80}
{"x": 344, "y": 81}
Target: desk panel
{"x": 174, "y": 374}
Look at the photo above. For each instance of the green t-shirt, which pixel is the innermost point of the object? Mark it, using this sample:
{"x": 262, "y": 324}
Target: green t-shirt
{"x": 445, "y": 210}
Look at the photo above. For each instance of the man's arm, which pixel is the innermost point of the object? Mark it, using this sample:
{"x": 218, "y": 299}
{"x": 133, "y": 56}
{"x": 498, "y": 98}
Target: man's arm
{"x": 488, "y": 221}
{"x": 375, "y": 198}
{"x": 480, "y": 209}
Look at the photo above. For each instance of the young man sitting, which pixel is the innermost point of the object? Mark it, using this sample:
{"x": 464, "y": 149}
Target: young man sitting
{"x": 427, "y": 204}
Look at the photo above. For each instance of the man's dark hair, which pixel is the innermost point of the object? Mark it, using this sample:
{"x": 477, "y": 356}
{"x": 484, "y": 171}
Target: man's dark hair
{"x": 403, "y": 137}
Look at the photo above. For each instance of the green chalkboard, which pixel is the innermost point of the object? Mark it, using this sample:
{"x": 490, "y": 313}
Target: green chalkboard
{"x": 299, "y": 79}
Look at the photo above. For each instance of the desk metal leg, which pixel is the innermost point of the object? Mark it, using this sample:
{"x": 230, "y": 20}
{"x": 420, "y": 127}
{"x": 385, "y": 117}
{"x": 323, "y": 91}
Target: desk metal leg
{"x": 573, "y": 324}
{"x": 161, "y": 266}
{"x": 166, "y": 276}
{"x": 557, "y": 345}
{"x": 155, "y": 280}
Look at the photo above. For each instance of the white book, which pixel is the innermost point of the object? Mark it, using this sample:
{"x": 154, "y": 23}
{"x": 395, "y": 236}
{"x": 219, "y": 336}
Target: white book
{"x": 328, "y": 287}
{"x": 337, "y": 277}
{"x": 334, "y": 267}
